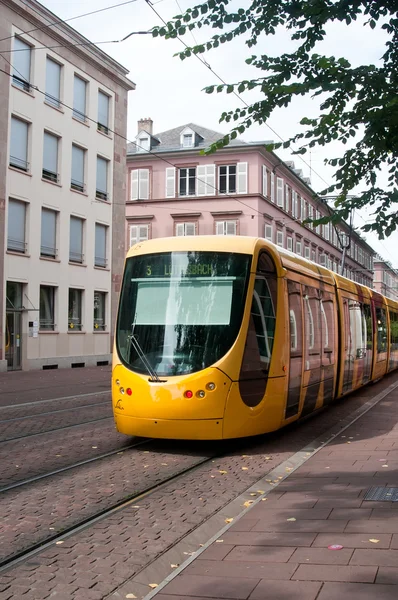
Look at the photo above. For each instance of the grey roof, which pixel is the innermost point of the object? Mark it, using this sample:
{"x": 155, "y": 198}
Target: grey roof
{"x": 170, "y": 139}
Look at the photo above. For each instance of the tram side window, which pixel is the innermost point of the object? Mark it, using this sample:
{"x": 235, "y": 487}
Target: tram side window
{"x": 312, "y": 327}
{"x": 328, "y": 326}
{"x": 381, "y": 322}
{"x": 357, "y": 329}
{"x": 295, "y": 316}
{"x": 393, "y": 330}
{"x": 263, "y": 314}
{"x": 367, "y": 324}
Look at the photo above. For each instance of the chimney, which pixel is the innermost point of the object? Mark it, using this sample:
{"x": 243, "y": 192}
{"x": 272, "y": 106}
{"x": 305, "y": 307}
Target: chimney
{"x": 145, "y": 125}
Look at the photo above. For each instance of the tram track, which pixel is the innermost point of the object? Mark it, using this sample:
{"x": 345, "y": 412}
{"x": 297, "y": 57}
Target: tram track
{"x": 36, "y": 478}
{"x": 59, "y": 399}
{"x": 31, "y": 435}
{"x": 127, "y": 502}
{"x": 52, "y": 412}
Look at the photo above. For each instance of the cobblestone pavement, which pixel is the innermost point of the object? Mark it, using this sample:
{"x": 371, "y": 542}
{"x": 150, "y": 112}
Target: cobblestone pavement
{"x": 99, "y": 560}
{"x": 37, "y": 455}
{"x": 29, "y": 386}
{"x": 316, "y": 537}
{"x": 43, "y": 407}
{"x": 25, "y": 426}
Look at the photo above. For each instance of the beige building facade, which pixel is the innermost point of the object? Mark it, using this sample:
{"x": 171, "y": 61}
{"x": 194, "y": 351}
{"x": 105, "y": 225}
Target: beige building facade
{"x": 63, "y": 120}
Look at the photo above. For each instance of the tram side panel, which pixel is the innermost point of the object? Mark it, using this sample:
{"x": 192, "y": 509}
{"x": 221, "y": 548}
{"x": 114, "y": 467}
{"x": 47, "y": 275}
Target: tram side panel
{"x": 392, "y": 308}
{"x": 380, "y": 335}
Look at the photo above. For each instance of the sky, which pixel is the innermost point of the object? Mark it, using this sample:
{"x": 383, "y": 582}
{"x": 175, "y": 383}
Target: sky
{"x": 170, "y": 91}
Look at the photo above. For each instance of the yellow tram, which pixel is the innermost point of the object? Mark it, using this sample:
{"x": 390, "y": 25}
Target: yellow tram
{"x": 224, "y": 337}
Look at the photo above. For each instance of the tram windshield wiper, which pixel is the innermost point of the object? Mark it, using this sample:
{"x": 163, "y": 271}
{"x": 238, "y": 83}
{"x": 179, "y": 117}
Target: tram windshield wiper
{"x": 153, "y": 376}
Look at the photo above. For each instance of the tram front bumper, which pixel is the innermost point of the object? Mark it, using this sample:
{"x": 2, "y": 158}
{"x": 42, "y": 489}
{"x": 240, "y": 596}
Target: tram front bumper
{"x": 177, "y": 429}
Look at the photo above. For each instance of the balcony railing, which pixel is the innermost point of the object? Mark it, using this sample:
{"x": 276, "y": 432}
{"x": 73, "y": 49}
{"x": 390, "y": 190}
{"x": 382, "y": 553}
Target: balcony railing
{"x": 16, "y": 245}
{"x": 49, "y": 251}
{"x": 19, "y": 163}
{"x": 78, "y": 186}
{"x": 50, "y": 175}
{"x": 103, "y": 128}
{"x": 76, "y": 257}
{"x": 100, "y": 261}
{"x": 101, "y": 195}
{"x": 47, "y": 324}
{"x": 21, "y": 83}
{"x": 53, "y": 101}
{"x": 79, "y": 115}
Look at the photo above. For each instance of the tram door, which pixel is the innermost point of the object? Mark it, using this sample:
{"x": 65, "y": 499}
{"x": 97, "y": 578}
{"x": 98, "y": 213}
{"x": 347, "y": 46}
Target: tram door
{"x": 13, "y": 340}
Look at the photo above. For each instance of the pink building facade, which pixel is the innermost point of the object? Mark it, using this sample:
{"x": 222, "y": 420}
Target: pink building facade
{"x": 242, "y": 189}
{"x": 385, "y": 278}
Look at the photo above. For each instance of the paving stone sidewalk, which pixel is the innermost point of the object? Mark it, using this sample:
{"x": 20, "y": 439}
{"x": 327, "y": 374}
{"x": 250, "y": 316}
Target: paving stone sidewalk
{"x": 315, "y": 537}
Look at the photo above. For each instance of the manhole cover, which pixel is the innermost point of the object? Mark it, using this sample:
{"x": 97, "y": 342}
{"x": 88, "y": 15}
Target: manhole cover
{"x": 382, "y": 494}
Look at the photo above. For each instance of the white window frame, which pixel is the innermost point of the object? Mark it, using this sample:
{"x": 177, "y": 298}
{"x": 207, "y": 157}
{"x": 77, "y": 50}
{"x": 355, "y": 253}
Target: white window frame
{"x": 188, "y": 177}
{"x": 138, "y": 233}
{"x": 279, "y": 238}
{"x": 268, "y": 232}
{"x": 307, "y": 252}
{"x": 298, "y": 247}
{"x": 13, "y": 244}
{"x": 265, "y": 181}
{"x": 139, "y": 184}
{"x": 22, "y": 64}
{"x": 100, "y": 250}
{"x": 229, "y": 227}
{"x": 279, "y": 192}
{"x": 76, "y": 185}
{"x": 53, "y": 82}
{"x": 289, "y": 243}
{"x": 272, "y": 194}
{"x": 100, "y": 193}
{"x": 79, "y": 102}
{"x": 78, "y": 256}
{"x": 19, "y": 144}
{"x": 48, "y": 233}
{"x": 50, "y": 157}
{"x": 227, "y": 176}
{"x": 99, "y": 324}
{"x": 103, "y": 115}
{"x": 185, "y": 228}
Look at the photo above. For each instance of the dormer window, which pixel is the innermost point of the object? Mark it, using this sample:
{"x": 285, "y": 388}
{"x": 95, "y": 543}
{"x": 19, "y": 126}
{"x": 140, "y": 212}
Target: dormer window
{"x": 187, "y": 140}
{"x": 144, "y": 143}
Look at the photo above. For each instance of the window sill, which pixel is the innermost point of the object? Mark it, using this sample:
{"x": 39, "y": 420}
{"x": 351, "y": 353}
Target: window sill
{"x": 48, "y": 331}
{"x": 76, "y": 264}
{"x": 49, "y": 259}
{"x": 73, "y": 332}
{"x": 54, "y": 107}
{"x": 56, "y": 183}
{"x": 80, "y": 121}
{"x": 78, "y": 192}
{"x": 17, "y": 253}
{"x": 107, "y": 201}
{"x": 98, "y": 332}
{"x": 101, "y": 268}
{"x": 31, "y": 94}
{"x": 19, "y": 171}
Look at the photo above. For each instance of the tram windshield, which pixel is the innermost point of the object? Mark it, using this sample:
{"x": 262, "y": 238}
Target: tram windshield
{"x": 183, "y": 308}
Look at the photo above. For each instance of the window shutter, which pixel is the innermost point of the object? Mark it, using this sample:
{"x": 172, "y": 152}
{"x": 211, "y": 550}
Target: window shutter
{"x": 265, "y": 181}
{"x": 201, "y": 181}
{"x": 279, "y": 193}
{"x": 272, "y": 187}
{"x": 231, "y": 227}
{"x": 210, "y": 180}
{"x": 302, "y": 214}
{"x": 179, "y": 229}
{"x": 190, "y": 229}
{"x": 170, "y": 182}
{"x": 242, "y": 179}
{"x": 144, "y": 184}
{"x": 286, "y": 197}
{"x": 143, "y": 233}
{"x": 133, "y": 235}
{"x": 134, "y": 184}
{"x": 220, "y": 227}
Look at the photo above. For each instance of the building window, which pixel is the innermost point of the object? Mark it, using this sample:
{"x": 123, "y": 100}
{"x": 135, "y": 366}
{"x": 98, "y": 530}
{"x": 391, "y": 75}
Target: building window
{"x": 77, "y": 178}
{"x": 307, "y": 252}
{"x": 21, "y": 64}
{"x": 227, "y": 179}
{"x": 76, "y": 240}
{"x": 48, "y": 233}
{"x": 326, "y": 231}
{"x": 100, "y": 245}
{"x": 53, "y": 83}
{"x": 139, "y": 184}
{"x": 79, "y": 98}
{"x": 265, "y": 181}
{"x": 50, "y": 157}
{"x": 46, "y": 308}
{"x": 322, "y": 259}
{"x": 298, "y": 248}
{"x": 268, "y": 232}
{"x": 279, "y": 192}
{"x": 138, "y": 233}
{"x": 16, "y": 241}
{"x": 187, "y": 140}
{"x": 19, "y": 144}
{"x": 294, "y": 204}
{"x": 272, "y": 187}
{"x": 103, "y": 113}
{"x": 99, "y": 311}
{"x": 313, "y": 255}
{"x": 279, "y": 238}
{"x": 289, "y": 242}
{"x": 185, "y": 229}
{"x": 102, "y": 179}
{"x": 75, "y": 309}
{"x": 143, "y": 143}
{"x": 187, "y": 182}
{"x": 226, "y": 227}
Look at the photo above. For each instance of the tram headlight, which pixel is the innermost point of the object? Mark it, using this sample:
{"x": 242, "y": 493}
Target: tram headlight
{"x": 201, "y": 394}
{"x": 121, "y": 390}
{"x": 117, "y": 381}
{"x": 211, "y": 386}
